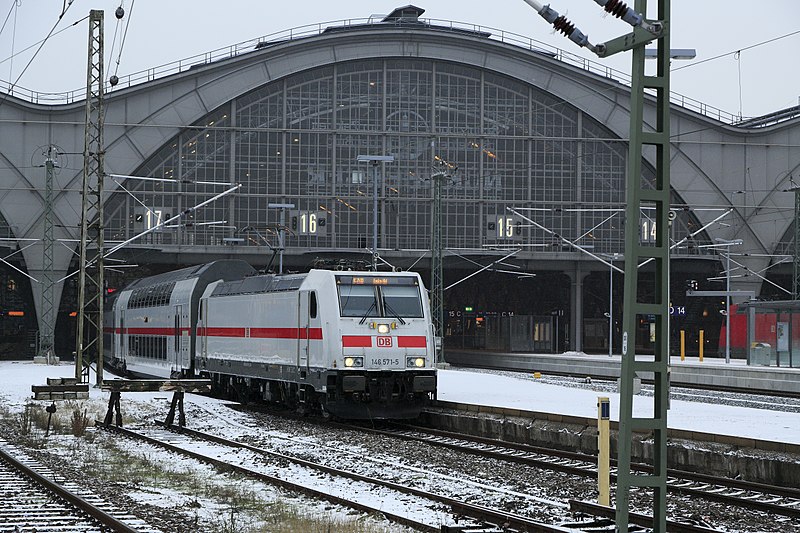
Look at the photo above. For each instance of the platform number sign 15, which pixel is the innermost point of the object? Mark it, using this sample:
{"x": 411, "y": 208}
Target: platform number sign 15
{"x": 504, "y": 228}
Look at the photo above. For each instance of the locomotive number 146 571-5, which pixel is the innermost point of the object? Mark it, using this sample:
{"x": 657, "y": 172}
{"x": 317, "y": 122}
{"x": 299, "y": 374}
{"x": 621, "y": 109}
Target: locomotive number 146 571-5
{"x": 386, "y": 361}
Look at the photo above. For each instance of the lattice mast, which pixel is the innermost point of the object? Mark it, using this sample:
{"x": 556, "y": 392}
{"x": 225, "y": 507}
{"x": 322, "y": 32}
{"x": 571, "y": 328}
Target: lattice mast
{"x": 796, "y": 262}
{"x": 89, "y": 336}
{"x": 437, "y": 275}
{"x": 639, "y": 304}
{"x": 47, "y": 308}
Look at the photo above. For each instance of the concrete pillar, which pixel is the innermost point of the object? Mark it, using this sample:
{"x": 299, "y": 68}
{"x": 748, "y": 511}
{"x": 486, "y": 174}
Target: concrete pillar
{"x": 576, "y": 309}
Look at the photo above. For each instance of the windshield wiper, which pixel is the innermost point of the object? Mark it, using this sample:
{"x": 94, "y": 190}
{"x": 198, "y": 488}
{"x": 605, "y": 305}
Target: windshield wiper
{"x": 371, "y": 307}
{"x": 394, "y": 314}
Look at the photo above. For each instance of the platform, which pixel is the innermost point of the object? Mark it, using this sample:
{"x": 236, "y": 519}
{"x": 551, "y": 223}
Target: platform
{"x": 711, "y": 373}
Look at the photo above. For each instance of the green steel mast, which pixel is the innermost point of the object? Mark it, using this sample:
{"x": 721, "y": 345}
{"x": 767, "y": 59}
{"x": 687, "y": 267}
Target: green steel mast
{"x": 648, "y": 294}
{"x": 89, "y": 335}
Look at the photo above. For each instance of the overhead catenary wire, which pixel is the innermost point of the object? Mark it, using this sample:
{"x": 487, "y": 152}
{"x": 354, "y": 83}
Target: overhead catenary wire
{"x": 120, "y": 14}
{"x": 126, "y": 31}
{"x": 15, "y": 54}
{"x": 158, "y": 226}
{"x": 124, "y": 36}
{"x": 67, "y": 5}
{"x": 13, "y": 5}
{"x": 116, "y": 31}
{"x": 564, "y": 239}
{"x": 3, "y": 259}
{"x": 738, "y": 51}
{"x": 756, "y": 274}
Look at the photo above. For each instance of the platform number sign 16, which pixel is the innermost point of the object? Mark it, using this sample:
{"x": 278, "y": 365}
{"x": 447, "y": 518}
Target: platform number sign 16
{"x": 313, "y": 223}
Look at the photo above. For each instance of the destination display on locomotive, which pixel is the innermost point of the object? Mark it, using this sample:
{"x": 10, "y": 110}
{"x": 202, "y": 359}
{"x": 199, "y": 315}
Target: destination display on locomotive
{"x": 375, "y": 280}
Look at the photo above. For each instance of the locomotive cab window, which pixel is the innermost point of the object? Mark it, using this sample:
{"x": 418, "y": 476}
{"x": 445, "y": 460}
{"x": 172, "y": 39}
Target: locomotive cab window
{"x": 312, "y": 305}
{"x": 358, "y": 301}
{"x": 371, "y": 297}
{"x": 402, "y": 301}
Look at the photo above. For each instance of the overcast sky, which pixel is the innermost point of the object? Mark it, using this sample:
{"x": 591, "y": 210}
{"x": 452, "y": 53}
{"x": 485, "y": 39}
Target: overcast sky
{"x": 756, "y": 81}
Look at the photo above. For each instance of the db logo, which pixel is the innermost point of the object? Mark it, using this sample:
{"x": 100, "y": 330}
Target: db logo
{"x": 384, "y": 342}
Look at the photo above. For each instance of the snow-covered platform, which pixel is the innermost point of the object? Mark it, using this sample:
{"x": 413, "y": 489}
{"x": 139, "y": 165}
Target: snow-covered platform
{"x": 527, "y": 394}
{"x": 711, "y": 373}
{"x": 521, "y": 392}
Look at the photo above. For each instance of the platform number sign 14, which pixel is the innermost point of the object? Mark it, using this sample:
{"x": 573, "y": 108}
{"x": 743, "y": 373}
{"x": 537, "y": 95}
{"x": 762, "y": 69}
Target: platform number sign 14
{"x": 649, "y": 231}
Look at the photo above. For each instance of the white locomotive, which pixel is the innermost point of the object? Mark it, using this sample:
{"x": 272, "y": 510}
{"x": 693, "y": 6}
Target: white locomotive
{"x": 352, "y": 344}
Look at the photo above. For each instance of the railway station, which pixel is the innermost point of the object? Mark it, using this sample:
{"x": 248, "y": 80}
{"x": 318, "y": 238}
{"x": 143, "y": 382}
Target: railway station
{"x": 530, "y": 139}
{"x": 439, "y": 276}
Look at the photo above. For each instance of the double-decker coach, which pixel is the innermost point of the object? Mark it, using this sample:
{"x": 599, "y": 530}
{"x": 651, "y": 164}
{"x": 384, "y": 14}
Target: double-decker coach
{"x": 153, "y": 320}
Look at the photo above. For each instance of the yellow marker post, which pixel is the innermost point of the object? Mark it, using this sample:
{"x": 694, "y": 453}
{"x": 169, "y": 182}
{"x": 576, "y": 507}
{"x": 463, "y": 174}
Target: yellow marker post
{"x": 683, "y": 345}
{"x": 603, "y": 451}
{"x": 701, "y": 345}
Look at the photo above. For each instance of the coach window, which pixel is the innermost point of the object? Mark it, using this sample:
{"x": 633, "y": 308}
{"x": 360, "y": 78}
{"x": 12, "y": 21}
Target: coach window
{"x": 312, "y": 305}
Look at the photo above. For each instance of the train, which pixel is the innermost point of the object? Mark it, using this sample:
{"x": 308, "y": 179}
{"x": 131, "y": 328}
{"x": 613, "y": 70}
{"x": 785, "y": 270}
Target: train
{"x": 349, "y": 344}
{"x": 774, "y": 334}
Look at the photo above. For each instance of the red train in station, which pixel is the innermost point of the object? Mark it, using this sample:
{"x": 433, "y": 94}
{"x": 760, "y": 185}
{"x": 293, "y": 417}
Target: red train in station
{"x": 772, "y": 334}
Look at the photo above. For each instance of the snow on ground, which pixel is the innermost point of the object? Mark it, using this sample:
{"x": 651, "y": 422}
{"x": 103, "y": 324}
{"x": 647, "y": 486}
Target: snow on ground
{"x": 514, "y": 393}
{"x": 210, "y": 499}
{"x": 16, "y": 378}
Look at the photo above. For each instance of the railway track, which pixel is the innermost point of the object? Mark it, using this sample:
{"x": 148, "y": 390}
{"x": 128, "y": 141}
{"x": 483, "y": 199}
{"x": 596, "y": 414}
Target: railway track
{"x": 783, "y": 501}
{"x": 738, "y": 493}
{"x": 35, "y": 499}
{"x": 411, "y": 506}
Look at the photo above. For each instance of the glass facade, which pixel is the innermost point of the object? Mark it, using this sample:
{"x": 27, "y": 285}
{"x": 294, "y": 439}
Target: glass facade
{"x": 296, "y": 140}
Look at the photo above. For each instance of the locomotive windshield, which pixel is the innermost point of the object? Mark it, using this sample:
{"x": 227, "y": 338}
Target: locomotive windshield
{"x": 358, "y": 300}
{"x": 401, "y": 301}
{"x": 373, "y": 297}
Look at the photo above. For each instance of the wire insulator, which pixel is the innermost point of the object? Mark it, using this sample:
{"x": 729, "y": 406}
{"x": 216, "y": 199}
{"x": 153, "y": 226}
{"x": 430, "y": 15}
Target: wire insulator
{"x": 616, "y": 8}
{"x": 563, "y": 25}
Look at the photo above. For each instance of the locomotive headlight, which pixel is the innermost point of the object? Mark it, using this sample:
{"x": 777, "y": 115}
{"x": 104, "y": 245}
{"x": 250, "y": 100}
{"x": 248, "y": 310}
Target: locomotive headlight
{"x": 353, "y": 362}
{"x": 418, "y": 362}
{"x": 383, "y": 329}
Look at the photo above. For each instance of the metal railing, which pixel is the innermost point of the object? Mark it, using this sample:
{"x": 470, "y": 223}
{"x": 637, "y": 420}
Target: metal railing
{"x": 310, "y": 30}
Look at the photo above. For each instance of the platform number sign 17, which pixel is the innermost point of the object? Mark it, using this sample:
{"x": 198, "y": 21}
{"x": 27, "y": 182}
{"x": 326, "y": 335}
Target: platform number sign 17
{"x": 152, "y": 217}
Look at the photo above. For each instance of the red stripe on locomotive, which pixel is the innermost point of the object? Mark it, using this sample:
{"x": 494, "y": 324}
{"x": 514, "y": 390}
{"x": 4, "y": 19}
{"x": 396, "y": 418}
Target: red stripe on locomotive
{"x": 287, "y": 333}
{"x": 412, "y": 341}
{"x": 356, "y": 341}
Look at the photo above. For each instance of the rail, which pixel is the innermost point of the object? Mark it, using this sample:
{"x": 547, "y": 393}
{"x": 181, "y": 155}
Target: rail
{"x": 311, "y": 30}
{"x": 479, "y": 512}
{"x": 74, "y": 500}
